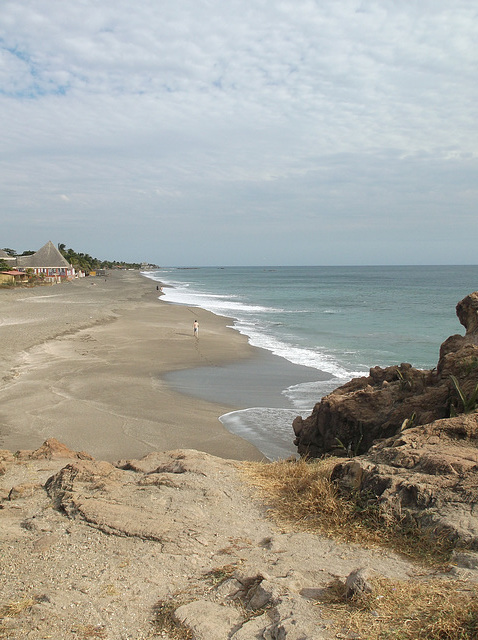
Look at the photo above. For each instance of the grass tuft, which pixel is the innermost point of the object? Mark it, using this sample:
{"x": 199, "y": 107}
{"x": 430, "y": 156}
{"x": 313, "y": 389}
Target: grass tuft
{"x": 14, "y": 609}
{"x": 85, "y": 631}
{"x": 406, "y": 610}
{"x": 300, "y": 495}
{"x": 218, "y": 575}
{"x": 165, "y": 620}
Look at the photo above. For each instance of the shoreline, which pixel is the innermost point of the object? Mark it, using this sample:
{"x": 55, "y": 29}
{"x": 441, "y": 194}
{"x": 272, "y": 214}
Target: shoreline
{"x": 261, "y": 389}
{"x": 83, "y": 362}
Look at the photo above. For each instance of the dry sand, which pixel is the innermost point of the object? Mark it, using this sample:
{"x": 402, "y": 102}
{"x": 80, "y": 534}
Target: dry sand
{"x": 82, "y": 362}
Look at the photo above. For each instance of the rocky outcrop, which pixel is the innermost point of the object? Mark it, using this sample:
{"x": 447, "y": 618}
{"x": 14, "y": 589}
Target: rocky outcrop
{"x": 351, "y": 418}
{"x": 93, "y": 549}
{"x": 410, "y": 436}
{"x": 52, "y": 449}
{"x": 428, "y": 473}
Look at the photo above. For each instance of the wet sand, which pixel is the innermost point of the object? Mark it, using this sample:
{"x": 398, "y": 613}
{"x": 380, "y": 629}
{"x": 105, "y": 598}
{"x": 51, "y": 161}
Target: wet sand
{"x": 84, "y": 362}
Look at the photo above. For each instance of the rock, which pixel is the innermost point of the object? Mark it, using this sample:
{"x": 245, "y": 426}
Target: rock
{"x": 467, "y": 312}
{"x": 173, "y": 512}
{"x": 406, "y": 450}
{"x": 94, "y": 476}
{"x": 261, "y": 594}
{"x": 428, "y": 473}
{"x": 464, "y": 565}
{"x": 178, "y": 461}
{"x": 465, "y": 559}
{"x": 354, "y": 416}
{"x": 208, "y": 620}
{"x": 23, "y": 490}
{"x": 253, "y": 629}
{"x": 230, "y": 589}
{"x": 109, "y": 548}
{"x": 357, "y": 583}
{"x": 290, "y": 623}
{"x": 51, "y": 449}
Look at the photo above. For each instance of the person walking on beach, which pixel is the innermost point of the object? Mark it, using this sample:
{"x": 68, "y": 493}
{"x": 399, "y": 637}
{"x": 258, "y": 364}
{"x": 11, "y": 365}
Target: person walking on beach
{"x": 196, "y": 328}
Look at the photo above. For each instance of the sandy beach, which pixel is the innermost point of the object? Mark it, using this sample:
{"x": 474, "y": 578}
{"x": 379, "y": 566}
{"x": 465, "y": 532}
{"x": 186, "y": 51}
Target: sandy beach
{"x": 83, "y": 362}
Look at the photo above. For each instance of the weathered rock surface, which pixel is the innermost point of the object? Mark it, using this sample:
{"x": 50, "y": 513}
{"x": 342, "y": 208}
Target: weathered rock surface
{"x": 429, "y": 473}
{"x": 91, "y": 549}
{"x": 357, "y": 583}
{"x": 351, "y": 418}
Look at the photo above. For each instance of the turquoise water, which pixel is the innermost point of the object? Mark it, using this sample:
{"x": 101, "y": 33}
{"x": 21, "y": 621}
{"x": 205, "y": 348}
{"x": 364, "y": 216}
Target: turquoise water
{"x": 337, "y": 320}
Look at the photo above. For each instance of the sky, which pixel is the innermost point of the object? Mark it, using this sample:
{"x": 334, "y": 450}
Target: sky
{"x": 241, "y": 132}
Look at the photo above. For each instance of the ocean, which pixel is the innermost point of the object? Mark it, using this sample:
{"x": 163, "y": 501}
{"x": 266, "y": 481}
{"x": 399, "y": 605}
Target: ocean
{"x": 335, "y": 322}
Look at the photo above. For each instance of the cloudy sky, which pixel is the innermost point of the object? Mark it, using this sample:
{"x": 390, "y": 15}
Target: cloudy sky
{"x": 223, "y": 132}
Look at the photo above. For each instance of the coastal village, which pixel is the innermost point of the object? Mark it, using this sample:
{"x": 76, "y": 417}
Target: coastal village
{"x": 48, "y": 265}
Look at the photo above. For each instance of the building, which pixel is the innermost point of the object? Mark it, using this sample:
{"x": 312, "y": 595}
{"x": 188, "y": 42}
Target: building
{"x": 46, "y": 263}
{"x": 13, "y": 277}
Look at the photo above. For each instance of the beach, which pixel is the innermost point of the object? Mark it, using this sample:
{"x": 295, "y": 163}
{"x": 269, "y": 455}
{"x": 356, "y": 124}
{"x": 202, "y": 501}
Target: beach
{"x": 84, "y": 362}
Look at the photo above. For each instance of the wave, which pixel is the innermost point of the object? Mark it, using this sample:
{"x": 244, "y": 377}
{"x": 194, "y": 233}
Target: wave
{"x": 267, "y": 429}
{"x": 305, "y": 395}
{"x": 252, "y": 321}
{"x": 297, "y": 355}
{"x": 220, "y": 304}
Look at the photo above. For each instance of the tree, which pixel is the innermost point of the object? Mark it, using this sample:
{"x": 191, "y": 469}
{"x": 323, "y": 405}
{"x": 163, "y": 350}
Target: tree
{"x": 87, "y": 263}
{"x": 11, "y": 252}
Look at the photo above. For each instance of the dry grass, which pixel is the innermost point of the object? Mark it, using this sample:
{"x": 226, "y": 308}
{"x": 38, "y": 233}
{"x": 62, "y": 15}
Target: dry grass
{"x": 85, "y": 631}
{"x": 13, "y": 610}
{"x": 218, "y": 575}
{"x": 395, "y": 610}
{"x": 300, "y": 495}
{"x": 165, "y": 621}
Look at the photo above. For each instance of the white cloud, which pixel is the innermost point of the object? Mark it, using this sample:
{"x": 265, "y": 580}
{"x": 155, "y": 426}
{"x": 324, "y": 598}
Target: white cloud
{"x": 309, "y": 114}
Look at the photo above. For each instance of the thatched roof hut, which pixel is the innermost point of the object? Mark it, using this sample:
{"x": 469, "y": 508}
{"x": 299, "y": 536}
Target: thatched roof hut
{"x": 48, "y": 257}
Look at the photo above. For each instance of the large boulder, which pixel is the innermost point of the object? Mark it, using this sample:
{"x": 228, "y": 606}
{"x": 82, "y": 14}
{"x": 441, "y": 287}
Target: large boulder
{"x": 428, "y": 473}
{"x": 350, "y": 419}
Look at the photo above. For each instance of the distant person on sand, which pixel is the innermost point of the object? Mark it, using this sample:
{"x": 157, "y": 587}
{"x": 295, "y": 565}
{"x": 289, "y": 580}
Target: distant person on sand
{"x": 196, "y": 328}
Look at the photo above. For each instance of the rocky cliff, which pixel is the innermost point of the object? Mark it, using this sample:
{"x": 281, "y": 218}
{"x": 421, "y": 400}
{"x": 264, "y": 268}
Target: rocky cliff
{"x": 351, "y": 418}
{"x": 410, "y": 437}
{"x": 428, "y": 474}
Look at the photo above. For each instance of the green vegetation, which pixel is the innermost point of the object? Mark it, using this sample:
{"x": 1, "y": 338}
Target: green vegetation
{"x": 408, "y": 423}
{"x": 469, "y": 403}
{"x": 405, "y": 382}
{"x": 87, "y": 263}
